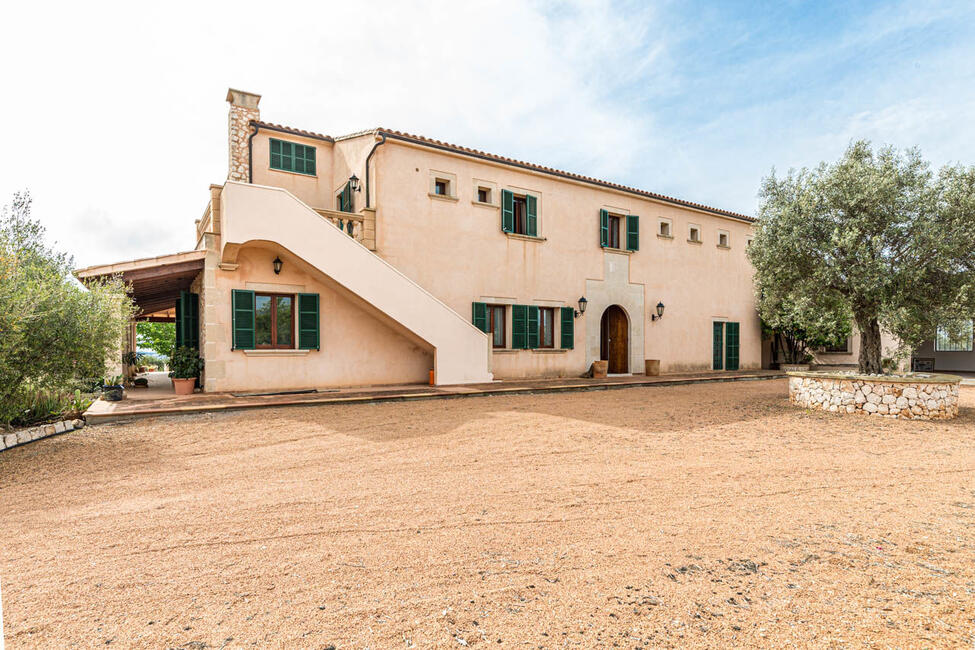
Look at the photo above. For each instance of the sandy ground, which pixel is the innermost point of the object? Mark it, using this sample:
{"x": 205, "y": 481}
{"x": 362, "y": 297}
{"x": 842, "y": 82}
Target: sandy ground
{"x": 707, "y": 515}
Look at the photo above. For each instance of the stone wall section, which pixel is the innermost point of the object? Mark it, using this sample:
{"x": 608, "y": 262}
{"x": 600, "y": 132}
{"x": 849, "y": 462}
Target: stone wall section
{"x": 927, "y": 400}
{"x": 22, "y": 437}
{"x": 243, "y": 109}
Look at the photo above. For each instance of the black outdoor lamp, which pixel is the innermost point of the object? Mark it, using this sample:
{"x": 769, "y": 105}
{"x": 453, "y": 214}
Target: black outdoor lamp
{"x": 660, "y": 312}
{"x": 582, "y": 307}
{"x": 277, "y": 264}
{"x": 354, "y": 183}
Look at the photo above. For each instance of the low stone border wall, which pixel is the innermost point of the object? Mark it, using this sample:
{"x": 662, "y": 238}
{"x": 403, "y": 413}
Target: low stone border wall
{"x": 8, "y": 440}
{"x": 910, "y": 397}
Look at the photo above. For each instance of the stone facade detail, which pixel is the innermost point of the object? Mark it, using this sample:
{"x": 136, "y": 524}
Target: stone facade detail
{"x": 14, "y": 438}
{"x": 243, "y": 109}
{"x": 934, "y": 397}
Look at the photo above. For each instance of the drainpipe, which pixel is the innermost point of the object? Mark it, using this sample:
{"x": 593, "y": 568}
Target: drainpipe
{"x": 382, "y": 140}
{"x": 250, "y": 154}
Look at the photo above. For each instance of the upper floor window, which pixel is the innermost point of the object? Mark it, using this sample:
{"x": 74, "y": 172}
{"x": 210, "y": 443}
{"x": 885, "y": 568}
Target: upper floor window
{"x": 519, "y": 213}
{"x": 694, "y": 233}
{"x": 483, "y": 195}
{"x": 441, "y": 187}
{"x": 292, "y": 157}
{"x": 344, "y": 199}
{"x": 724, "y": 239}
{"x": 664, "y": 227}
{"x": 616, "y": 230}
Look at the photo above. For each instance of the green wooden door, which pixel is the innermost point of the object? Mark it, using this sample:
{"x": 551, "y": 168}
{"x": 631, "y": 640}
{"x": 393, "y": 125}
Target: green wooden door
{"x": 731, "y": 346}
{"x": 718, "y": 346}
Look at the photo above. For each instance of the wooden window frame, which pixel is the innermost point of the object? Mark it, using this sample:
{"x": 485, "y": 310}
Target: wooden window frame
{"x": 519, "y": 208}
{"x": 492, "y": 324}
{"x": 541, "y": 327}
{"x": 274, "y": 320}
{"x": 613, "y": 236}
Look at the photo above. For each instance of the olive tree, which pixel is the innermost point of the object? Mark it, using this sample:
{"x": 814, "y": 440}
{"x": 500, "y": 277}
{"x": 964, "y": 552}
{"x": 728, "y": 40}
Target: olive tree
{"x": 876, "y": 235}
{"x": 53, "y": 332}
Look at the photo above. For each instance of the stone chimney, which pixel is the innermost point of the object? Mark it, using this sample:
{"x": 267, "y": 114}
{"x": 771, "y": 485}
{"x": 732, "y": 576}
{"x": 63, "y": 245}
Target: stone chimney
{"x": 243, "y": 109}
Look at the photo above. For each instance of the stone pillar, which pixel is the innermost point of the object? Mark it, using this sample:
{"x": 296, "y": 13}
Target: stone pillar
{"x": 243, "y": 109}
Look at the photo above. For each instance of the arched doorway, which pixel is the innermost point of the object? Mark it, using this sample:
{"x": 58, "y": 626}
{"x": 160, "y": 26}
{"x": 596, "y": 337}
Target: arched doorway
{"x": 614, "y": 339}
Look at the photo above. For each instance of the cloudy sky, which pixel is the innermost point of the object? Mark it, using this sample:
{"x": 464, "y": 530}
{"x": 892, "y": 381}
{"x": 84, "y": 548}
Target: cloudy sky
{"x": 114, "y": 115}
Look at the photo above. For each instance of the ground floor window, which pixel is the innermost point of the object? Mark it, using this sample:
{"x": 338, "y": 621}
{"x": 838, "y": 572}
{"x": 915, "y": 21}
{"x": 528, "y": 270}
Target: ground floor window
{"x": 546, "y": 327}
{"x": 957, "y": 338}
{"x": 496, "y": 325}
{"x": 274, "y": 321}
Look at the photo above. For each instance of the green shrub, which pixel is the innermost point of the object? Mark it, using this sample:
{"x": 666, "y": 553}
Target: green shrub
{"x": 40, "y": 406}
{"x": 185, "y": 363}
{"x": 56, "y": 335}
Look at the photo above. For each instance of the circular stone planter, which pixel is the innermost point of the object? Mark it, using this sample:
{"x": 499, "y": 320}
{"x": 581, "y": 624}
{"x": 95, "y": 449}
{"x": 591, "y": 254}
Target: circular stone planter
{"x": 916, "y": 396}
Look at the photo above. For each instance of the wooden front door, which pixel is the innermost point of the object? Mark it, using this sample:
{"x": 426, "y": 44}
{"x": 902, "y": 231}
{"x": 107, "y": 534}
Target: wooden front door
{"x": 614, "y": 339}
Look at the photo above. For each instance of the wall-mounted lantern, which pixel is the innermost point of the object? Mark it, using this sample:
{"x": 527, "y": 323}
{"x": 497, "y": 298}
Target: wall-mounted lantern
{"x": 660, "y": 312}
{"x": 277, "y": 264}
{"x": 582, "y": 307}
{"x": 354, "y": 183}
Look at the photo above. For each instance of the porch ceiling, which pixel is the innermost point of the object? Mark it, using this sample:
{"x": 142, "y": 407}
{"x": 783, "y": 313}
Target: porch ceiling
{"x": 155, "y": 282}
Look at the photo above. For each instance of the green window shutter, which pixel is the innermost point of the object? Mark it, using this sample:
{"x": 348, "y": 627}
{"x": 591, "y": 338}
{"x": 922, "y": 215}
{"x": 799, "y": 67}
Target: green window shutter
{"x": 189, "y": 319}
{"x": 507, "y": 211}
{"x": 275, "y": 154}
{"x": 532, "y": 205}
{"x": 308, "y": 322}
{"x": 179, "y": 323}
{"x": 519, "y": 327}
{"x": 310, "y": 153}
{"x": 243, "y": 319}
{"x": 731, "y": 346}
{"x": 568, "y": 328}
{"x": 479, "y": 315}
{"x": 603, "y": 228}
{"x": 718, "y": 346}
{"x": 632, "y": 232}
{"x": 345, "y": 199}
{"x": 532, "y": 327}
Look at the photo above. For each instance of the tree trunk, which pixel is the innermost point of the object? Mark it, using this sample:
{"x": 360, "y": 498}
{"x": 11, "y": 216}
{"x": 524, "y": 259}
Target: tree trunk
{"x": 870, "y": 360}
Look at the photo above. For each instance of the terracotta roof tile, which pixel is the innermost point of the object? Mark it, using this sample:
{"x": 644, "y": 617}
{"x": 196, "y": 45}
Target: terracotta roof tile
{"x": 419, "y": 139}
{"x": 289, "y": 129}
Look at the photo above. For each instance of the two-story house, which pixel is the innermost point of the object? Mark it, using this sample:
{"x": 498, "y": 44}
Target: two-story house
{"x": 376, "y": 257}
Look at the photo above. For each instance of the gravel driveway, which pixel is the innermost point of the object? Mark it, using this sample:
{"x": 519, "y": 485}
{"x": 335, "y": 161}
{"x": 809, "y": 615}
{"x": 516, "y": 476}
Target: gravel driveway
{"x": 705, "y": 515}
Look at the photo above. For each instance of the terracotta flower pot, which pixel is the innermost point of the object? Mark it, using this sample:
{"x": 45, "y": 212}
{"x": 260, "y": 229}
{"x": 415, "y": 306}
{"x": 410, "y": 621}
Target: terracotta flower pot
{"x": 184, "y": 386}
{"x": 652, "y": 367}
{"x": 600, "y": 368}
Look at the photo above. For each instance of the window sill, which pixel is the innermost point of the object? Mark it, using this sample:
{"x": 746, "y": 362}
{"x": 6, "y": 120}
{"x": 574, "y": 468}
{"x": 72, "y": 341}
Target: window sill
{"x": 515, "y": 235}
{"x": 620, "y": 251}
{"x": 486, "y": 205}
{"x": 727, "y": 248}
{"x": 442, "y": 197}
{"x": 549, "y": 351}
{"x": 288, "y": 171}
{"x": 504, "y": 350}
{"x": 659, "y": 236}
{"x": 275, "y": 353}
{"x": 694, "y": 241}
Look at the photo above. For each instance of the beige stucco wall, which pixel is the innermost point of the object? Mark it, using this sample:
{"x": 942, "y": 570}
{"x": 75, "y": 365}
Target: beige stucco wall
{"x": 359, "y": 347}
{"x": 456, "y": 250}
{"x": 317, "y": 191}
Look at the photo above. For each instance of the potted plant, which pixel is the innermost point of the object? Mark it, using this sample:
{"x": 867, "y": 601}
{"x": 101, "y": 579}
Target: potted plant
{"x": 185, "y": 365}
{"x": 112, "y": 389}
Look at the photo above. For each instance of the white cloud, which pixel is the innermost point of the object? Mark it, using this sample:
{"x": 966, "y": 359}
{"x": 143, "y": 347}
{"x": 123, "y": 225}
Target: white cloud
{"x": 120, "y": 124}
